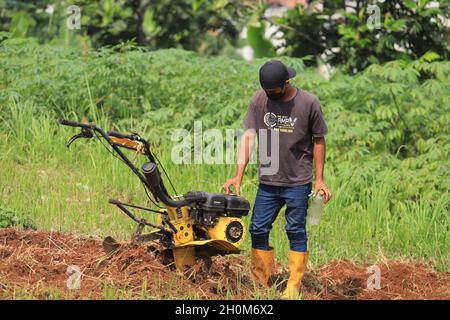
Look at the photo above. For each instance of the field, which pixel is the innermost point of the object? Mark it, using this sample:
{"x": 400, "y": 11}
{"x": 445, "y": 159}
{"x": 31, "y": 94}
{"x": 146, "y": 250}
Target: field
{"x": 35, "y": 264}
{"x": 387, "y": 159}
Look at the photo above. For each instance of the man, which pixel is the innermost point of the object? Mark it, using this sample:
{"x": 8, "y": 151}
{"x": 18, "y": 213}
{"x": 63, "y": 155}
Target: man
{"x": 296, "y": 116}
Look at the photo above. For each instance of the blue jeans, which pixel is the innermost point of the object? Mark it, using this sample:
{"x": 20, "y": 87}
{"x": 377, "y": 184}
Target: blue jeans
{"x": 268, "y": 203}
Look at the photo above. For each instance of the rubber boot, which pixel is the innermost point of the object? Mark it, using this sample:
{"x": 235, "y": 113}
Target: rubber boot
{"x": 297, "y": 268}
{"x": 262, "y": 265}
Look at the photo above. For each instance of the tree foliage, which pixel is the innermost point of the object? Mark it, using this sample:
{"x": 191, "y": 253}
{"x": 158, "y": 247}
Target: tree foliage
{"x": 347, "y": 33}
{"x": 199, "y": 25}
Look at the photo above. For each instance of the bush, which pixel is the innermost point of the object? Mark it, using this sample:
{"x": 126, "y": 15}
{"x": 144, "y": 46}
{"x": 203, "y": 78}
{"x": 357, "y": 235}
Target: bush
{"x": 9, "y": 218}
{"x": 340, "y": 31}
{"x": 400, "y": 107}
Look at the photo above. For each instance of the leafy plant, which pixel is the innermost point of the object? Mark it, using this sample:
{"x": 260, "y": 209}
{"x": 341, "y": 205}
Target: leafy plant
{"x": 205, "y": 26}
{"x": 346, "y": 32}
{"x": 9, "y": 218}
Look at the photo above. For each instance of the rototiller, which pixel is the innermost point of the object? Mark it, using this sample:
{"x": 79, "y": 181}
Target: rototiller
{"x": 196, "y": 224}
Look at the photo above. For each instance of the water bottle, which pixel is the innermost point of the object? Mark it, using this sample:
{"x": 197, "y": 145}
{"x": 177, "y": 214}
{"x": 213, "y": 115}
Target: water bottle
{"x": 315, "y": 209}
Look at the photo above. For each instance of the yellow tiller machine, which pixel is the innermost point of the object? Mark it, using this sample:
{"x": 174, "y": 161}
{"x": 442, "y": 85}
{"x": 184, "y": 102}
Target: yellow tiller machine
{"x": 196, "y": 224}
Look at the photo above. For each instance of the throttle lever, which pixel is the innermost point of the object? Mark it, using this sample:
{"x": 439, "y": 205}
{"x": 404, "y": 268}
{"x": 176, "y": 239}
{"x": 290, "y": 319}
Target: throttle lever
{"x": 85, "y": 133}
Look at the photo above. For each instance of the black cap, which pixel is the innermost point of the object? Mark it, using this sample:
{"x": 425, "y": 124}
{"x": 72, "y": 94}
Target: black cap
{"x": 274, "y": 74}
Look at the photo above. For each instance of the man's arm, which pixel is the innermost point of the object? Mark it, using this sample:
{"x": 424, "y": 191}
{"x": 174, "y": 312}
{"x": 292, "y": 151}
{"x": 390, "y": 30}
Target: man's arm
{"x": 319, "y": 164}
{"x": 243, "y": 157}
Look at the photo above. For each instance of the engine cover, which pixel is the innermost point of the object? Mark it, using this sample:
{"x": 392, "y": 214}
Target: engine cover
{"x": 222, "y": 204}
{"x": 230, "y": 229}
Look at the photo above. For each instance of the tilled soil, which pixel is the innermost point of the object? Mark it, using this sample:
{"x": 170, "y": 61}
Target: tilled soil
{"x": 39, "y": 265}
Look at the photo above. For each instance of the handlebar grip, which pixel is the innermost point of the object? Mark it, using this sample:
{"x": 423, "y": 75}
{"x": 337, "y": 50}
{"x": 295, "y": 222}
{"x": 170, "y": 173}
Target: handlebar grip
{"x": 70, "y": 123}
{"x": 121, "y": 135}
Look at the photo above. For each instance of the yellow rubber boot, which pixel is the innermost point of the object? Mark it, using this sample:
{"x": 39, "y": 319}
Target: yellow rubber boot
{"x": 262, "y": 265}
{"x": 297, "y": 268}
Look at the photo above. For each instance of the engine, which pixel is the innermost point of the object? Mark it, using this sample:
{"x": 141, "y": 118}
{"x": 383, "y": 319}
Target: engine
{"x": 219, "y": 215}
{"x": 210, "y": 216}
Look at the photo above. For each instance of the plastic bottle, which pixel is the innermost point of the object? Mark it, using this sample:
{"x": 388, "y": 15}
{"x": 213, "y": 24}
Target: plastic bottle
{"x": 315, "y": 209}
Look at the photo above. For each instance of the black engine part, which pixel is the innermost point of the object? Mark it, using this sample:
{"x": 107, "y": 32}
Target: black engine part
{"x": 221, "y": 204}
{"x": 234, "y": 231}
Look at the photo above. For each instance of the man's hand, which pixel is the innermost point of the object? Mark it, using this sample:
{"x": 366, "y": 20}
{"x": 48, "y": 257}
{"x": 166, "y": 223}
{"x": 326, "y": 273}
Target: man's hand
{"x": 243, "y": 157}
{"x": 235, "y": 182}
{"x": 321, "y": 185}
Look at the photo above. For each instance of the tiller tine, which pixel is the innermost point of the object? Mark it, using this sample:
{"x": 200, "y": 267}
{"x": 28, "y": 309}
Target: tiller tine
{"x": 184, "y": 258}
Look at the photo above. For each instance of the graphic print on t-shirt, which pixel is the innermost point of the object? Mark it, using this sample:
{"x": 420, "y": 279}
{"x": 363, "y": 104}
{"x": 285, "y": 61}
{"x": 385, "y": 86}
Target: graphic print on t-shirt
{"x": 279, "y": 122}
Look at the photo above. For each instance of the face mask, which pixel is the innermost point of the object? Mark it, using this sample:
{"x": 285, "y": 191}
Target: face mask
{"x": 276, "y": 96}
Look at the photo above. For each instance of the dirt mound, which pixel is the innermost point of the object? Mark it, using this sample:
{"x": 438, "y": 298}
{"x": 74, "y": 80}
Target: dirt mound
{"x": 45, "y": 265}
{"x": 41, "y": 265}
{"x": 398, "y": 280}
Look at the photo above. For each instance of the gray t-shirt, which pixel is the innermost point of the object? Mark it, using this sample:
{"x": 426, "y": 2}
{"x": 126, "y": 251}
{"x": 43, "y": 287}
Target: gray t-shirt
{"x": 296, "y": 121}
